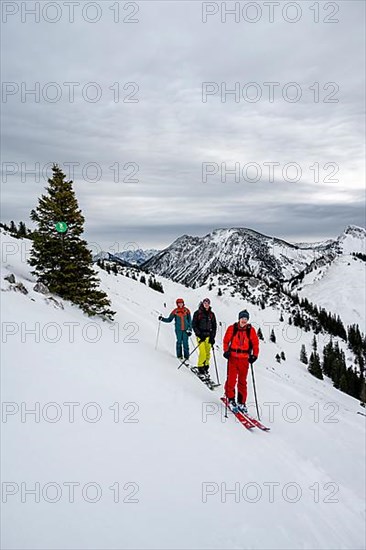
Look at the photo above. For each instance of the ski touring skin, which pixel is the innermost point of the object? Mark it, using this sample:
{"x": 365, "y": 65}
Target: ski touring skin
{"x": 248, "y": 421}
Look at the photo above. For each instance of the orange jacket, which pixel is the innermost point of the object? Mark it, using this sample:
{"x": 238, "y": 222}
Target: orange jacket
{"x": 241, "y": 341}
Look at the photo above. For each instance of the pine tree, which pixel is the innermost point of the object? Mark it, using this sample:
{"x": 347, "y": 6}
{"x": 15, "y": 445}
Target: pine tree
{"x": 314, "y": 365}
{"x": 143, "y": 279}
{"x": 13, "y": 228}
{"x": 283, "y": 356}
{"x": 22, "y": 231}
{"x": 260, "y": 334}
{"x": 272, "y": 336}
{"x": 343, "y": 383}
{"x": 314, "y": 344}
{"x": 363, "y": 392}
{"x": 303, "y": 355}
{"x": 278, "y": 358}
{"x": 281, "y": 317}
{"x": 219, "y": 292}
{"x": 62, "y": 260}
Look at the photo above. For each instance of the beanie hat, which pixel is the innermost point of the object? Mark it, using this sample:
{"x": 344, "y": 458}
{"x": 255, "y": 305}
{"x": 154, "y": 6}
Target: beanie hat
{"x": 243, "y": 314}
{"x": 179, "y": 300}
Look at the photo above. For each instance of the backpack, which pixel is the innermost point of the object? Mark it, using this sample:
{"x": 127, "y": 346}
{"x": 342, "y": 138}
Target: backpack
{"x": 236, "y": 328}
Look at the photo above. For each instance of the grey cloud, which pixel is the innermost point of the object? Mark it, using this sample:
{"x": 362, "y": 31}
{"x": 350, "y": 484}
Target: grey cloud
{"x": 170, "y": 132}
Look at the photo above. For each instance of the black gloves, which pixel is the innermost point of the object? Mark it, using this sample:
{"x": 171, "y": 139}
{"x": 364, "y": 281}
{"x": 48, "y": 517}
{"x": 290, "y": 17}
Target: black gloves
{"x": 160, "y": 317}
{"x": 189, "y": 333}
{"x": 226, "y": 354}
{"x": 252, "y": 359}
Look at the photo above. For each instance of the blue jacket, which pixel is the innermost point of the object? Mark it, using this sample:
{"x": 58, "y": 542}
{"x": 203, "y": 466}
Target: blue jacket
{"x": 182, "y": 318}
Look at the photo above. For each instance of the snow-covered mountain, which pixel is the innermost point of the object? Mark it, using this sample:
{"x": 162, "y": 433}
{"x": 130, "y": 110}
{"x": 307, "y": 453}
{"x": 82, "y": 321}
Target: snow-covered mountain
{"x": 251, "y": 256}
{"x": 131, "y": 257}
{"x": 106, "y": 444}
{"x": 191, "y": 260}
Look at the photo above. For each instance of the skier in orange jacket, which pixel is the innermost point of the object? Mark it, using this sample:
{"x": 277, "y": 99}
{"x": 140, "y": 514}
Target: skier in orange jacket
{"x": 241, "y": 348}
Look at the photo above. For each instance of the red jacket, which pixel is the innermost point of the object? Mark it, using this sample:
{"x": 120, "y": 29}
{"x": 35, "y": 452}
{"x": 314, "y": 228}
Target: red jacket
{"x": 241, "y": 341}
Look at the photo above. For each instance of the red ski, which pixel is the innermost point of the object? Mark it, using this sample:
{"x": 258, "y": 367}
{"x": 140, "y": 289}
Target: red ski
{"x": 244, "y": 421}
{"x": 247, "y": 420}
{"x": 256, "y": 422}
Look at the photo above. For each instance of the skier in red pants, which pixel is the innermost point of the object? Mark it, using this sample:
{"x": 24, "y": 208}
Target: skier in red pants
{"x": 241, "y": 347}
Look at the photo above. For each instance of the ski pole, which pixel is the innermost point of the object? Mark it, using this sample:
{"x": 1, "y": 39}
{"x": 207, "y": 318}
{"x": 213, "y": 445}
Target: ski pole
{"x": 255, "y": 391}
{"x": 182, "y": 363}
{"x": 227, "y": 376}
{"x": 157, "y": 336}
{"x": 192, "y": 342}
{"x": 217, "y": 372}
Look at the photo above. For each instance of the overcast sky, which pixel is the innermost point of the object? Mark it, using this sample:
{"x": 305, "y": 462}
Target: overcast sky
{"x": 174, "y": 141}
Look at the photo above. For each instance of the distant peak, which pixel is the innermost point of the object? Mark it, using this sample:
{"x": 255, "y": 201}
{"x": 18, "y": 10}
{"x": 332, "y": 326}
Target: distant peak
{"x": 354, "y": 230}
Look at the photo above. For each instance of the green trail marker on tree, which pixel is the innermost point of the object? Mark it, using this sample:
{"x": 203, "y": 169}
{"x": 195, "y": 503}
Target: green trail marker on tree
{"x": 61, "y": 227}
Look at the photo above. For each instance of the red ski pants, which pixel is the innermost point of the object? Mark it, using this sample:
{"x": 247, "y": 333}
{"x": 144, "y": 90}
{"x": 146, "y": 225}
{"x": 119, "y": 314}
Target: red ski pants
{"x": 237, "y": 371}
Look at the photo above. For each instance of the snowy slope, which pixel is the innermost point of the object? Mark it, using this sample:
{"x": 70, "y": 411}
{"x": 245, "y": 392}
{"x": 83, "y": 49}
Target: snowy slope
{"x": 340, "y": 288}
{"x": 174, "y": 453}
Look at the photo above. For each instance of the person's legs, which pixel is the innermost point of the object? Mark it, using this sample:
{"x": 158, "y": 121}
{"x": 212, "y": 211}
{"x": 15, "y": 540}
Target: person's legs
{"x": 179, "y": 344}
{"x": 201, "y": 353}
{"x": 242, "y": 381}
{"x": 208, "y": 352}
{"x": 185, "y": 345}
{"x": 231, "y": 379}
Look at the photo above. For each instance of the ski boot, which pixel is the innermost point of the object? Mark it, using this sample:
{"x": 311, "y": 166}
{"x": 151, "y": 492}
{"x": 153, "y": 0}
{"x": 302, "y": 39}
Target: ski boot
{"x": 242, "y": 408}
{"x": 233, "y": 405}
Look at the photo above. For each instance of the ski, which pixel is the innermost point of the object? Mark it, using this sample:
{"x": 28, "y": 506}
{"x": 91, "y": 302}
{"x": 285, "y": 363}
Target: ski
{"x": 207, "y": 381}
{"x": 242, "y": 419}
{"x": 256, "y": 422}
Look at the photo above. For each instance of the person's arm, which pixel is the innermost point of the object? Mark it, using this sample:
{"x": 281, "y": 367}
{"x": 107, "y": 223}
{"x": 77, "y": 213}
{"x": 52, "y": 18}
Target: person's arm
{"x": 168, "y": 319}
{"x": 189, "y": 322}
{"x": 255, "y": 341}
{"x": 214, "y": 326}
{"x": 227, "y": 338}
{"x": 195, "y": 324}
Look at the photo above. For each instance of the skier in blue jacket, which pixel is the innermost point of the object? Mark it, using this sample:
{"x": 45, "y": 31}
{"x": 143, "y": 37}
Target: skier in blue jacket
{"x": 183, "y": 327}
